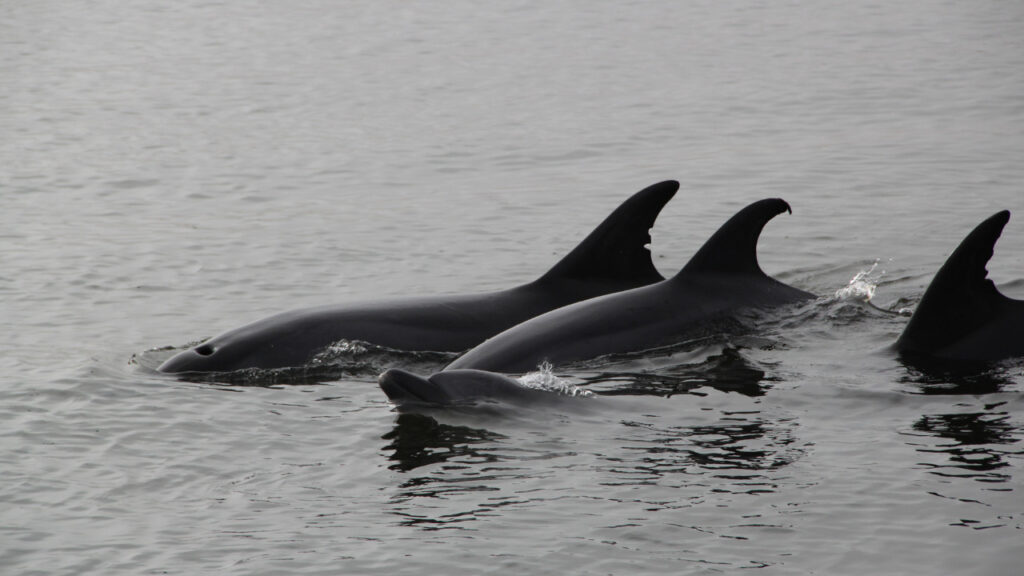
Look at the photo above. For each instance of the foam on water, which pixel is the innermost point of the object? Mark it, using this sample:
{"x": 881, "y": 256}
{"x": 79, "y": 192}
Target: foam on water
{"x": 545, "y": 379}
{"x": 862, "y": 286}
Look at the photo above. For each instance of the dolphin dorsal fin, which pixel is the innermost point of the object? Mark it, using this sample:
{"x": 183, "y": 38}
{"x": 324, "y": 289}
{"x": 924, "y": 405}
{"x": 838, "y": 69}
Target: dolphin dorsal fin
{"x": 961, "y": 297}
{"x": 733, "y": 248}
{"x": 617, "y": 248}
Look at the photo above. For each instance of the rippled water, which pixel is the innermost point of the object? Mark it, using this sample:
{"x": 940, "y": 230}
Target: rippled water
{"x": 170, "y": 172}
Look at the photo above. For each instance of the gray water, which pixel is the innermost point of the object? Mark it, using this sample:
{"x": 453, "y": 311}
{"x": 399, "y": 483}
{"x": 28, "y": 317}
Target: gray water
{"x": 171, "y": 171}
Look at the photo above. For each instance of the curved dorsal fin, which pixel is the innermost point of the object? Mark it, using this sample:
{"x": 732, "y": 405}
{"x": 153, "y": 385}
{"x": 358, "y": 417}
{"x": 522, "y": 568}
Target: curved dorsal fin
{"x": 617, "y": 248}
{"x": 733, "y": 248}
{"x": 961, "y": 297}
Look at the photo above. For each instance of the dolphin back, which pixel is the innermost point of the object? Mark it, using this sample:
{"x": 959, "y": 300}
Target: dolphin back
{"x": 961, "y": 299}
{"x": 722, "y": 277}
{"x": 731, "y": 253}
{"x": 732, "y": 249}
{"x": 617, "y": 249}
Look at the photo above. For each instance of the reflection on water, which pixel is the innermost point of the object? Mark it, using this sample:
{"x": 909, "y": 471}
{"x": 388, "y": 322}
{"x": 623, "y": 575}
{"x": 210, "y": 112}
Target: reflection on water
{"x": 933, "y": 376}
{"x": 740, "y": 451}
{"x": 973, "y": 449}
{"x": 466, "y": 462}
{"x": 728, "y": 371}
{"x": 453, "y": 474}
{"x": 418, "y": 440}
{"x": 974, "y": 442}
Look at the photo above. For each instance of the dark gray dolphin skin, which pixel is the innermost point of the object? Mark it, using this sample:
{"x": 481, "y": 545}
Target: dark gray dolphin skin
{"x": 721, "y": 278}
{"x": 455, "y": 387}
{"x": 613, "y": 257}
{"x": 962, "y": 316}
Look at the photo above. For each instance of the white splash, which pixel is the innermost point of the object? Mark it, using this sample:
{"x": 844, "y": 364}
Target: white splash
{"x": 545, "y": 379}
{"x": 862, "y": 285}
{"x": 338, "y": 349}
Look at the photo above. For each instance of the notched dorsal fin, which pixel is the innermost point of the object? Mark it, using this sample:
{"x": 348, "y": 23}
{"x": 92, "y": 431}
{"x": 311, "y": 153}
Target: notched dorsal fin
{"x": 617, "y": 248}
{"x": 733, "y": 248}
{"x": 961, "y": 297}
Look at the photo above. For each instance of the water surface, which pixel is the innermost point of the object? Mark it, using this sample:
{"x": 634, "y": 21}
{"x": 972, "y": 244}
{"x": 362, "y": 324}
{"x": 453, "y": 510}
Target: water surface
{"x": 170, "y": 172}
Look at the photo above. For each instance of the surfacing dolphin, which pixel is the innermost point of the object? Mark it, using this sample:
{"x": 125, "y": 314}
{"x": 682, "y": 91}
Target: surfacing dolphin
{"x": 722, "y": 277}
{"x": 454, "y": 387}
{"x": 962, "y": 316}
{"x": 613, "y": 257}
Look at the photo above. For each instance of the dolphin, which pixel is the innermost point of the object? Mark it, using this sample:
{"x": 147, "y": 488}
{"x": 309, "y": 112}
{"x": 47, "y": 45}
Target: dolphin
{"x": 727, "y": 372}
{"x": 454, "y": 387}
{"x": 962, "y": 316}
{"x": 614, "y": 257}
{"x": 723, "y": 277}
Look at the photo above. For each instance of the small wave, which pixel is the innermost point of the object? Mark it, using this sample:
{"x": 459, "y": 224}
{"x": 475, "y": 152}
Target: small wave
{"x": 545, "y": 379}
{"x": 342, "y": 348}
{"x": 726, "y": 370}
{"x": 358, "y": 357}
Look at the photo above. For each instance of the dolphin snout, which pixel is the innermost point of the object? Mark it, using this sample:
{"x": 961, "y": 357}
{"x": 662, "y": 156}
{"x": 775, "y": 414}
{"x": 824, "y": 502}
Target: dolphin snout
{"x": 402, "y": 386}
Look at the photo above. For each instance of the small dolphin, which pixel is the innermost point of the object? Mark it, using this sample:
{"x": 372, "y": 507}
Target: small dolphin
{"x": 962, "y": 316}
{"x": 455, "y": 387}
{"x": 613, "y": 257}
{"x": 721, "y": 278}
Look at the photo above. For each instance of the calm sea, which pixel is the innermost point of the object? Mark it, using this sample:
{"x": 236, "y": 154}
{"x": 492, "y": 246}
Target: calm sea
{"x": 169, "y": 171}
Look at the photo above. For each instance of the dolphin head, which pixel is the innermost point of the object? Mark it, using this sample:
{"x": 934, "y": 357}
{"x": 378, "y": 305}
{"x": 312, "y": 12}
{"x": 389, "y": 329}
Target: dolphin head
{"x": 404, "y": 387}
{"x": 279, "y": 341}
{"x": 453, "y": 387}
{"x": 210, "y": 356}
{"x": 247, "y": 347}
